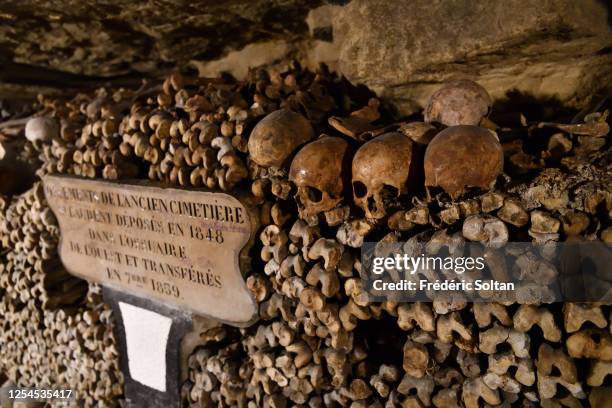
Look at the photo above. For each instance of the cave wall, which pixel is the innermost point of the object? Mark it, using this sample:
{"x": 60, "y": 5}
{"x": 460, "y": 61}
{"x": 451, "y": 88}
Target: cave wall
{"x": 402, "y": 50}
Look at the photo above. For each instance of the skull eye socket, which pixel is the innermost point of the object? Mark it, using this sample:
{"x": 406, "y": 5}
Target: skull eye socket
{"x": 314, "y": 195}
{"x": 359, "y": 189}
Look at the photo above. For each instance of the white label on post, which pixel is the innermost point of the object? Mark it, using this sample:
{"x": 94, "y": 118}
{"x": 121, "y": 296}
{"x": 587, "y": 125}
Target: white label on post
{"x": 146, "y": 335}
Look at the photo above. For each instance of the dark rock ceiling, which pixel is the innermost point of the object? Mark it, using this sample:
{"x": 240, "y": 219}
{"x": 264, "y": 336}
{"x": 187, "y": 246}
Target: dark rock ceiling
{"x": 122, "y": 37}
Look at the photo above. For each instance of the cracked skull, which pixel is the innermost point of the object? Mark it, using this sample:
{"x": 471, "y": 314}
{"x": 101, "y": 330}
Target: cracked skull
{"x": 461, "y": 157}
{"x": 381, "y": 171}
{"x": 318, "y": 171}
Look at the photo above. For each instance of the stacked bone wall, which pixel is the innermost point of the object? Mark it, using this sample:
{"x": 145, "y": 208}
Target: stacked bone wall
{"x": 56, "y": 332}
{"x": 318, "y": 342}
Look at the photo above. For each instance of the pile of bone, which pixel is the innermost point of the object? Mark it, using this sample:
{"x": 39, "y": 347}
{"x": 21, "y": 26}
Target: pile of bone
{"x": 461, "y": 174}
{"x": 187, "y": 132}
{"x": 184, "y": 132}
{"x": 320, "y": 344}
{"x": 442, "y": 361}
{"x": 54, "y": 333}
{"x": 31, "y": 267}
{"x": 79, "y": 136}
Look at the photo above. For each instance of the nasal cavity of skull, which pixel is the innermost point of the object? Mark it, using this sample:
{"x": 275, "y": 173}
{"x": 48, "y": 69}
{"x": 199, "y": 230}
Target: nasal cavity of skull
{"x": 372, "y": 204}
{"x": 314, "y": 194}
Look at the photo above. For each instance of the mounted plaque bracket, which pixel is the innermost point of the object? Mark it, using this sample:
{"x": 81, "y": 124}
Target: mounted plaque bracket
{"x": 149, "y": 341}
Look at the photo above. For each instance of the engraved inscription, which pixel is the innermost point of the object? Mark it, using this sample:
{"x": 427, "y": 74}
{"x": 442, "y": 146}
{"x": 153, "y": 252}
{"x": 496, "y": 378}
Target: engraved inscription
{"x": 181, "y": 247}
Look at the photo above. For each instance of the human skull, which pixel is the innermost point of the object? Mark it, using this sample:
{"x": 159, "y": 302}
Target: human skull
{"x": 381, "y": 167}
{"x": 318, "y": 170}
{"x": 463, "y": 156}
{"x": 277, "y": 135}
{"x": 458, "y": 103}
{"x": 42, "y": 129}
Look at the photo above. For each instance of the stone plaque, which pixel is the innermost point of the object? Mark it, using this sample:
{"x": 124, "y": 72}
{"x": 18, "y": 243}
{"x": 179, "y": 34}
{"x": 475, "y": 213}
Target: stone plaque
{"x": 180, "y": 247}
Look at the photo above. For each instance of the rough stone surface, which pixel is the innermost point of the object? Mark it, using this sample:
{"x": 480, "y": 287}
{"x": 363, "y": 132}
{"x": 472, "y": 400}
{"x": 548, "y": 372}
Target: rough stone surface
{"x": 121, "y": 36}
{"x": 404, "y": 50}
